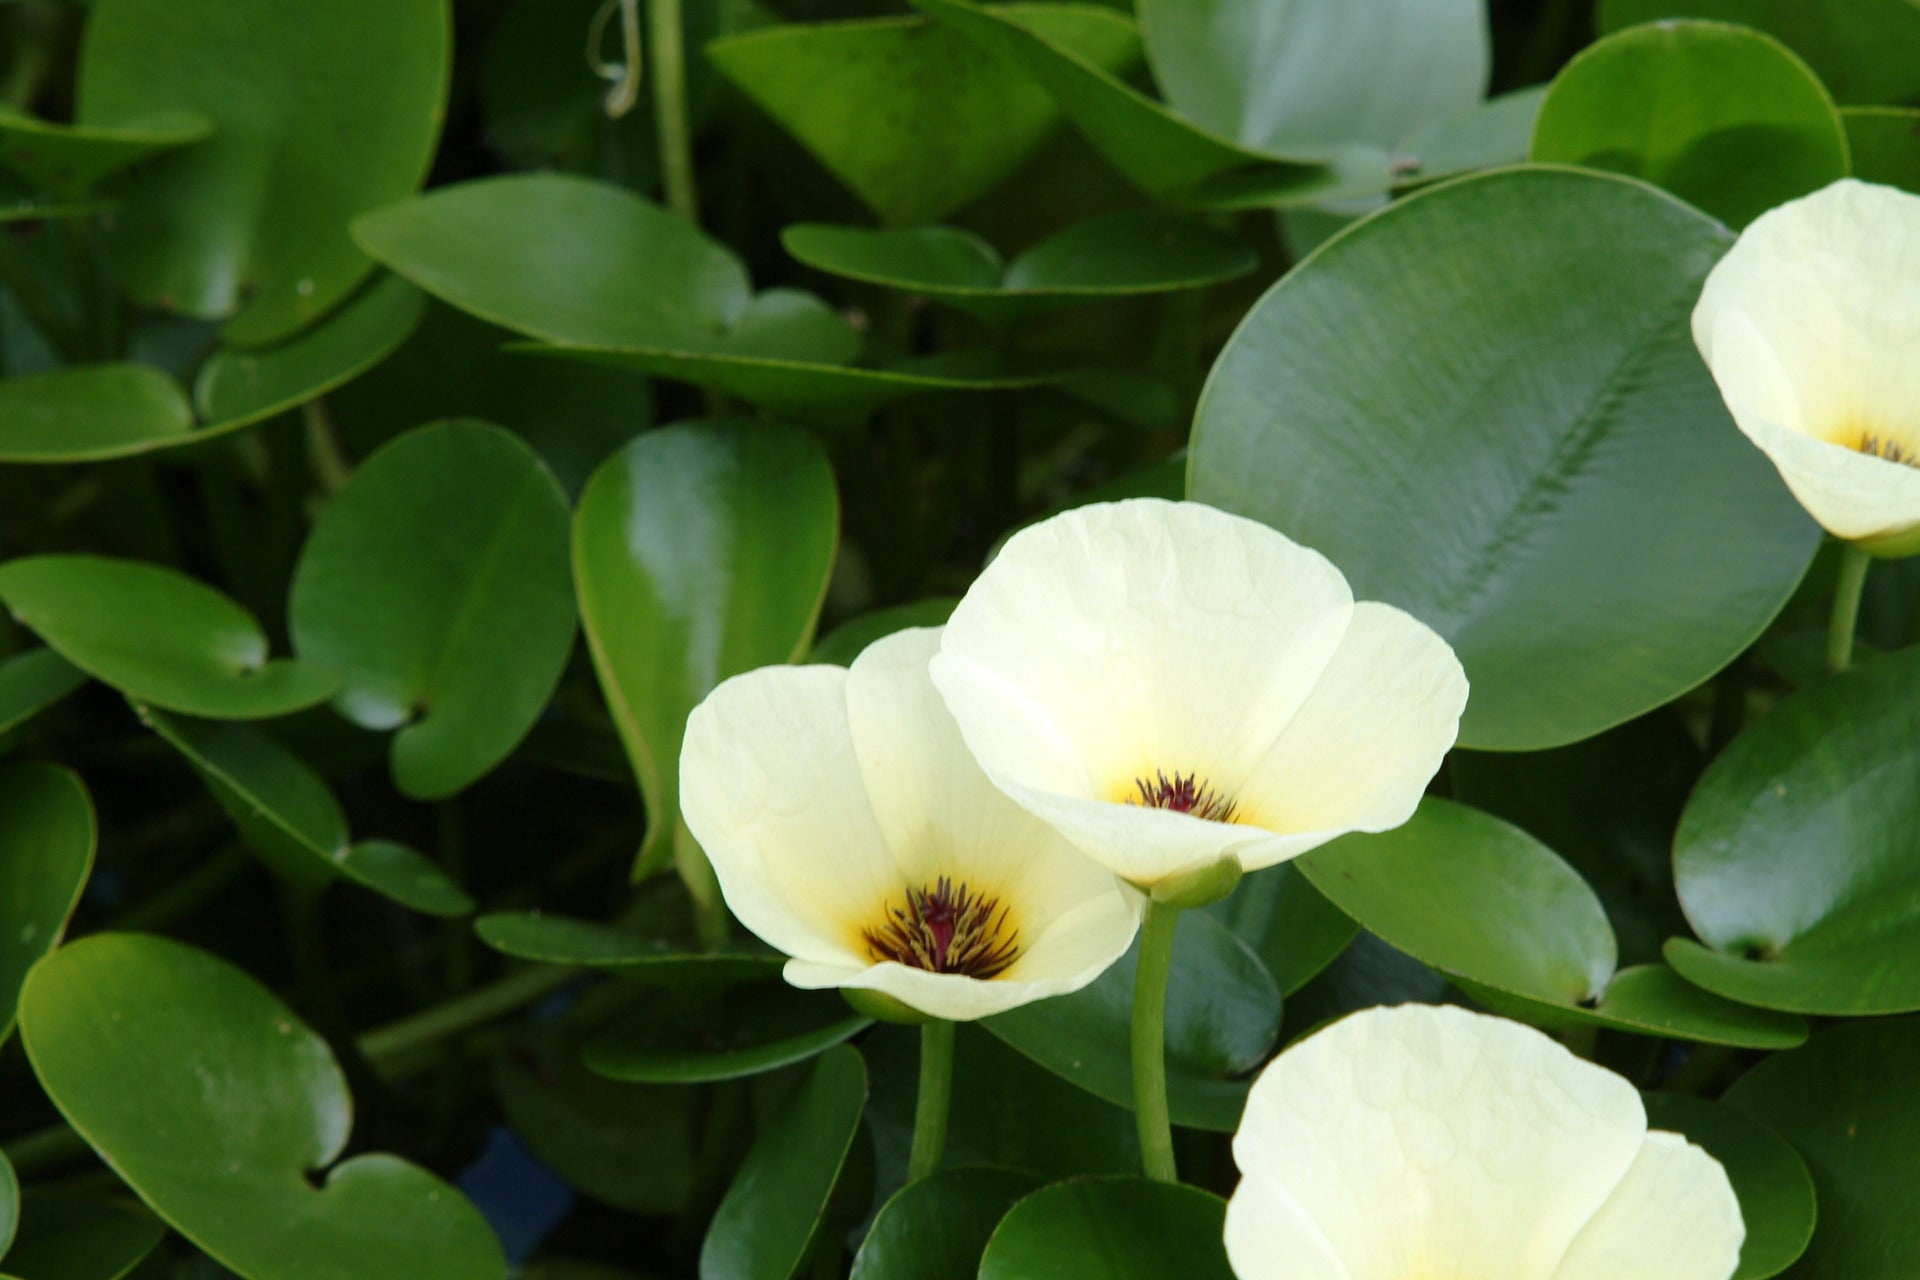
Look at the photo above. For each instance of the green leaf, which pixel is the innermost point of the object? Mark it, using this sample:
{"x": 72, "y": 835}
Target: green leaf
{"x": 1111, "y": 1229}
{"x": 437, "y": 584}
{"x": 30, "y": 683}
{"x": 9, "y": 1205}
{"x": 1722, "y": 116}
{"x": 1223, "y": 1015}
{"x": 746, "y": 1031}
{"x": 1274, "y": 77}
{"x": 1775, "y": 1189}
{"x": 91, "y": 411}
{"x": 1496, "y": 132}
{"x": 1114, "y": 255}
{"x": 1865, "y": 50}
{"x": 1289, "y": 924}
{"x": 159, "y": 637}
{"x": 1845, "y": 1102}
{"x": 1794, "y": 856}
{"x": 68, "y": 159}
{"x": 937, "y": 1228}
{"x": 1511, "y": 448}
{"x": 320, "y": 113}
{"x": 286, "y": 815}
{"x": 551, "y": 939}
{"x": 47, "y": 838}
{"x": 1496, "y": 909}
{"x": 67, "y": 1236}
{"x": 699, "y": 551}
{"x": 956, "y": 123}
{"x": 1885, "y": 144}
{"x": 850, "y": 639}
{"x": 772, "y": 1213}
{"x": 150, "y": 1049}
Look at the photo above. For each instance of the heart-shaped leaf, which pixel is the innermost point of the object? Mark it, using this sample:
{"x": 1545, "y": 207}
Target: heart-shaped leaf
{"x": 320, "y": 113}
{"x": 68, "y": 159}
{"x": 31, "y": 682}
{"x": 151, "y": 1049}
{"x": 67, "y": 1236}
{"x": 46, "y": 853}
{"x": 1511, "y": 448}
{"x": 1775, "y": 1189}
{"x": 1724, "y": 117}
{"x": 957, "y": 121}
{"x": 581, "y": 943}
{"x": 158, "y": 637}
{"x": 1499, "y": 911}
{"x": 1115, "y": 255}
{"x": 286, "y": 815}
{"x": 1223, "y": 1015}
{"x": 937, "y": 1228}
{"x": 1111, "y": 1229}
{"x": 1794, "y": 856}
{"x": 1289, "y": 924}
{"x": 746, "y": 1031}
{"x": 767, "y": 1223}
{"x": 1845, "y": 1102}
{"x": 437, "y": 584}
{"x": 699, "y": 551}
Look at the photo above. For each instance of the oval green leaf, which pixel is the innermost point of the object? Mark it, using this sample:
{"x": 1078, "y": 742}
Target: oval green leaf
{"x": 768, "y": 1220}
{"x": 1223, "y": 1016}
{"x": 67, "y": 1236}
{"x": 9, "y": 1205}
{"x": 1511, "y": 448}
{"x": 1289, "y": 924}
{"x": 30, "y": 683}
{"x": 67, "y": 159}
{"x": 581, "y": 943}
{"x": 1495, "y": 133}
{"x": 159, "y": 637}
{"x": 91, "y": 411}
{"x": 47, "y": 838}
{"x": 320, "y": 113}
{"x": 1724, "y": 117}
{"x": 937, "y": 1228}
{"x": 699, "y": 551}
{"x": 1775, "y": 1189}
{"x": 437, "y": 584}
{"x": 746, "y": 1032}
{"x": 850, "y": 639}
{"x": 150, "y": 1048}
{"x": 1794, "y": 858}
{"x": 1111, "y": 1229}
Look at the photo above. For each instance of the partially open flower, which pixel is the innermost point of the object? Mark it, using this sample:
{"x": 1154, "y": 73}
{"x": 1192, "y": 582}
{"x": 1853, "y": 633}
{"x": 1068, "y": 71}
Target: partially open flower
{"x": 1811, "y": 325}
{"x": 851, "y": 830}
{"x": 1171, "y": 686}
{"x": 1402, "y": 1144}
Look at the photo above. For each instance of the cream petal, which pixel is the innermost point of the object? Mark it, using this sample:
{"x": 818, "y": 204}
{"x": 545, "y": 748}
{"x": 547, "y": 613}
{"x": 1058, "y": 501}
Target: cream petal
{"x": 1359, "y": 753}
{"x": 771, "y": 788}
{"x": 951, "y": 996}
{"x": 1122, "y": 638}
{"x": 1673, "y": 1217}
{"x": 1430, "y": 1141}
{"x": 1269, "y": 1237}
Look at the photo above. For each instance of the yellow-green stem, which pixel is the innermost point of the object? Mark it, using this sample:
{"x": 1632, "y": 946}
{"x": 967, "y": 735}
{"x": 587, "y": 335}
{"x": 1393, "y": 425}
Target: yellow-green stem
{"x": 1150, "y": 1041}
{"x": 936, "y": 1099}
{"x": 1854, "y": 564}
{"x": 670, "y": 107}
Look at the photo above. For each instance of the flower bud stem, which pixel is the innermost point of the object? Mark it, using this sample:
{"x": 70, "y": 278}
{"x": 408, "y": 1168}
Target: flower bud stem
{"x": 936, "y": 1097}
{"x": 1854, "y": 564}
{"x": 1150, "y": 1041}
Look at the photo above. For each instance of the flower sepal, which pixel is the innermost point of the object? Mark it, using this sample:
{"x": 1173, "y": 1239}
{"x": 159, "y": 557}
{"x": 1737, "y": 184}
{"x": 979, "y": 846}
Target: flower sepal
{"x": 1197, "y": 888}
{"x": 1892, "y": 546}
{"x": 882, "y": 1007}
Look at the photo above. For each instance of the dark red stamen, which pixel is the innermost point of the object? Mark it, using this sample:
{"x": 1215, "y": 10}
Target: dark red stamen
{"x": 1183, "y": 793}
{"x": 1891, "y": 450}
{"x": 947, "y": 930}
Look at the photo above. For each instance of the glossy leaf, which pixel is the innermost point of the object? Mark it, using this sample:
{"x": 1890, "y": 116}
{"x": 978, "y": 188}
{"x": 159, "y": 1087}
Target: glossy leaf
{"x": 1775, "y": 1189}
{"x": 1793, "y": 859}
{"x": 150, "y": 1048}
{"x": 1724, "y": 117}
{"x": 699, "y": 551}
{"x": 437, "y": 584}
{"x": 1223, "y": 1015}
{"x": 158, "y": 637}
{"x": 47, "y": 838}
{"x": 90, "y": 411}
{"x": 1509, "y": 449}
{"x": 1112, "y": 256}
{"x": 1495, "y": 133}
{"x": 1289, "y": 924}
{"x": 66, "y": 1236}
{"x": 1111, "y": 1229}
{"x": 1501, "y": 913}
{"x": 957, "y": 121}
{"x": 9, "y": 1205}
{"x": 31, "y": 682}
{"x": 320, "y": 113}
{"x": 286, "y": 815}
{"x": 1843, "y": 1102}
{"x": 850, "y": 639}
{"x": 748, "y": 1031}
{"x": 68, "y": 159}
{"x": 937, "y": 1228}
{"x": 560, "y": 940}
{"x": 773, "y": 1211}
{"x": 1885, "y": 144}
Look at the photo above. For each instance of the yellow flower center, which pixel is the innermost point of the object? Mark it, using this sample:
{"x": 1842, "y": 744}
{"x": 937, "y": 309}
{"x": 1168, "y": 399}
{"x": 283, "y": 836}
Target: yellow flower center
{"x": 946, "y": 929}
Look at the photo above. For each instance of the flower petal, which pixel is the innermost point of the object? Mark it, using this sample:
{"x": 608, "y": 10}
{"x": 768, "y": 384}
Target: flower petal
{"x": 1360, "y": 752}
{"x": 1673, "y": 1217}
{"x": 771, "y": 788}
{"x": 952, "y": 996}
{"x": 1269, "y": 1237}
{"x": 1433, "y": 1141}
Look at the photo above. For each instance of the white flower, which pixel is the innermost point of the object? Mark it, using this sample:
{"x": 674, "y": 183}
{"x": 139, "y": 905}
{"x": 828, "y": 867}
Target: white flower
{"x": 850, "y": 829}
{"x": 1430, "y": 1143}
{"x": 1171, "y": 686}
{"x": 1811, "y": 325}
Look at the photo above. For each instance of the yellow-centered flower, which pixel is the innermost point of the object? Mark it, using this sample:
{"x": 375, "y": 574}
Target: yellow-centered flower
{"x": 1811, "y": 325}
{"x": 1171, "y": 686}
{"x": 1430, "y": 1143}
{"x": 850, "y": 829}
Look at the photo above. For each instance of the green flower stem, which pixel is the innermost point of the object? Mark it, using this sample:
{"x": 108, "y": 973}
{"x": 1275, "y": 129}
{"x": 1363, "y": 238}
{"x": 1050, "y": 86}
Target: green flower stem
{"x": 670, "y": 107}
{"x": 936, "y": 1099}
{"x": 1150, "y": 1041}
{"x": 1846, "y": 606}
